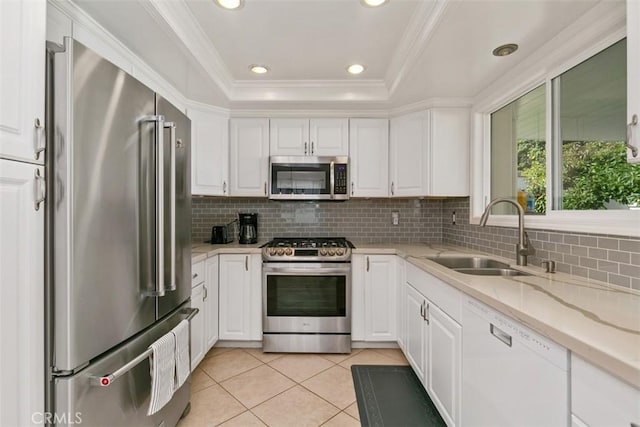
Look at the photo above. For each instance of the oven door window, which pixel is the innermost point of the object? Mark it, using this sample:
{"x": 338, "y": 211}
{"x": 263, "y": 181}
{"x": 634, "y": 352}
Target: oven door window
{"x": 306, "y": 296}
{"x": 300, "y": 179}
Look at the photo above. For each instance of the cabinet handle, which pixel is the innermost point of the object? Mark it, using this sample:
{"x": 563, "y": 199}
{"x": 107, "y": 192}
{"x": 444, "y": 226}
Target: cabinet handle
{"x": 194, "y": 275}
{"x": 352, "y": 188}
{"x": 367, "y": 263}
{"x": 246, "y": 263}
{"x": 422, "y": 310}
{"x": 426, "y": 313}
{"x": 265, "y": 188}
{"x": 305, "y": 148}
{"x": 312, "y": 149}
{"x": 39, "y": 189}
{"x": 224, "y": 187}
{"x": 500, "y": 334}
{"x": 38, "y": 137}
{"x": 392, "y": 192}
{"x": 634, "y": 122}
{"x": 632, "y": 424}
{"x": 206, "y": 293}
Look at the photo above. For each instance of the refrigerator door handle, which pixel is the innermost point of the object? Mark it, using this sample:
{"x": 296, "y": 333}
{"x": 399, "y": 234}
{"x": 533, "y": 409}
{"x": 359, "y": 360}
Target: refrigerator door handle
{"x": 172, "y": 201}
{"x": 159, "y": 193}
{"x": 108, "y": 379}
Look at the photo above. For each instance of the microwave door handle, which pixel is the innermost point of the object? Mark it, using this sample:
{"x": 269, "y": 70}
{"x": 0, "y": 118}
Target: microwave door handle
{"x": 332, "y": 180}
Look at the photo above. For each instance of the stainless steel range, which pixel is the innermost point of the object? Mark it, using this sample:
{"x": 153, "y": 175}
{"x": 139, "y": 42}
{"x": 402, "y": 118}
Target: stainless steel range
{"x": 307, "y": 295}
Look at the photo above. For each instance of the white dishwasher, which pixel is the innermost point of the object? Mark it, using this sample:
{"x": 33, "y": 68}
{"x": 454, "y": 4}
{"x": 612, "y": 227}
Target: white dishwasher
{"x": 511, "y": 376}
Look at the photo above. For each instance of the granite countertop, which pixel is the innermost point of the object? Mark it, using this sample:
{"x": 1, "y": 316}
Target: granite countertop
{"x": 598, "y": 322}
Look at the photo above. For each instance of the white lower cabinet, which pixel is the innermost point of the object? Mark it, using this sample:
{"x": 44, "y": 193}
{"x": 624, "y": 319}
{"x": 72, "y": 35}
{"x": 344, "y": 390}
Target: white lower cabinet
{"x": 211, "y": 303}
{"x": 374, "y": 297}
{"x": 240, "y": 297}
{"x": 599, "y": 399}
{"x": 21, "y": 294}
{"x": 400, "y": 298}
{"x": 433, "y": 343}
{"x": 197, "y": 325}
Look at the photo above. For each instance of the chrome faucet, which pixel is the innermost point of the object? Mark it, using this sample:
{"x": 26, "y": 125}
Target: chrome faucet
{"x": 523, "y": 247}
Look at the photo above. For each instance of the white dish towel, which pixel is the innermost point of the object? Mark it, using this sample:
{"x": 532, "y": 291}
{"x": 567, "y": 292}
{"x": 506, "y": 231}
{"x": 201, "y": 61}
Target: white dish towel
{"x": 163, "y": 367}
{"x": 183, "y": 362}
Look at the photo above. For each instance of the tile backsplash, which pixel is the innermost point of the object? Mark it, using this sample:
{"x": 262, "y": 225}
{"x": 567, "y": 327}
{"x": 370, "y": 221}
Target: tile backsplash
{"x": 611, "y": 259}
{"x": 357, "y": 219}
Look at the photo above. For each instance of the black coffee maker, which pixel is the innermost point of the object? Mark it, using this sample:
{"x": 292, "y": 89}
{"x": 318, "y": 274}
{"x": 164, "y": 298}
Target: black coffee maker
{"x": 248, "y": 230}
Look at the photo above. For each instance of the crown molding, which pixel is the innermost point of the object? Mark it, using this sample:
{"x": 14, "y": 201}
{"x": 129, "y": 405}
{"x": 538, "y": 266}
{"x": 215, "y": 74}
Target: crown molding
{"x": 310, "y": 91}
{"x": 178, "y": 17}
{"x": 415, "y": 39}
{"x": 208, "y": 108}
{"x": 310, "y": 113}
{"x": 431, "y": 103}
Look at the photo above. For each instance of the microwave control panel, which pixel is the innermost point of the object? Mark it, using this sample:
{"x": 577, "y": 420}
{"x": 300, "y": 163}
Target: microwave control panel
{"x": 341, "y": 178}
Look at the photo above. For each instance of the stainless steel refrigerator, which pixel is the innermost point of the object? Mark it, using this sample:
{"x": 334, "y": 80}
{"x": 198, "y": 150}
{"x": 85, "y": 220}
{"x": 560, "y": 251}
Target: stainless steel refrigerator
{"x": 118, "y": 239}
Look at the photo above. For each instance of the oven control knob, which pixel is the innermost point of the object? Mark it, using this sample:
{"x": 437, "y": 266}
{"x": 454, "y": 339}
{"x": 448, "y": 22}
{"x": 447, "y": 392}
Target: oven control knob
{"x": 272, "y": 251}
{"x": 323, "y": 252}
{"x": 288, "y": 251}
{"x": 340, "y": 252}
{"x": 280, "y": 251}
{"x": 332, "y": 252}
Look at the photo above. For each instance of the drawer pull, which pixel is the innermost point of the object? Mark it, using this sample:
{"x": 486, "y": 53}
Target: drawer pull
{"x": 194, "y": 275}
{"x": 500, "y": 334}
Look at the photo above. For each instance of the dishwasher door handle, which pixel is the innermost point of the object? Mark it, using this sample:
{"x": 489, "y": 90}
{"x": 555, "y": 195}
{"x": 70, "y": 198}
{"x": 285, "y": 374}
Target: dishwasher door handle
{"x": 500, "y": 334}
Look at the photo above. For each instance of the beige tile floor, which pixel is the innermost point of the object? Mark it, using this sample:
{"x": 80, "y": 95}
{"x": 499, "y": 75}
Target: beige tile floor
{"x": 246, "y": 387}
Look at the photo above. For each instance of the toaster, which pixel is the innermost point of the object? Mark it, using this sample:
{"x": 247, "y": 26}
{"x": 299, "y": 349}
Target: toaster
{"x": 221, "y": 234}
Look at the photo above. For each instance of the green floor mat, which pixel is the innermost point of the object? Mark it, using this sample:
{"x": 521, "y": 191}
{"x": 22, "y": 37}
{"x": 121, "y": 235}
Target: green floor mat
{"x": 392, "y": 396}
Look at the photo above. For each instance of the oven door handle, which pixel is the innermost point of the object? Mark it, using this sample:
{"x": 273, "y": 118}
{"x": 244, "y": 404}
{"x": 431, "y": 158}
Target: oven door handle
{"x": 309, "y": 270}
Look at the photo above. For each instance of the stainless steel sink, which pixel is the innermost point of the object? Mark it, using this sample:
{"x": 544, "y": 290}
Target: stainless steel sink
{"x": 491, "y": 271}
{"x": 478, "y": 266}
{"x": 474, "y": 262}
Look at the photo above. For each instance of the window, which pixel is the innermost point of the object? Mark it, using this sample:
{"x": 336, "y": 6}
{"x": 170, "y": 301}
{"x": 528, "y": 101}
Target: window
{"x": 585, "y": 162}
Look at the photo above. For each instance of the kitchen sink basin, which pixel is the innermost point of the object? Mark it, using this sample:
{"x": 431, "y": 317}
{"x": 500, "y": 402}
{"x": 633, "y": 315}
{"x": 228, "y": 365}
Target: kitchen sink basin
{"x": 475, "y": 262}
{"x": 491, "y": 271}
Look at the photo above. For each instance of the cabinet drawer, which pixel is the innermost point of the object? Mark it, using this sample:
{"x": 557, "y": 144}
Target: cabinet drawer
{"x": 599, "y": 399}
{"x": 197, "y": 273}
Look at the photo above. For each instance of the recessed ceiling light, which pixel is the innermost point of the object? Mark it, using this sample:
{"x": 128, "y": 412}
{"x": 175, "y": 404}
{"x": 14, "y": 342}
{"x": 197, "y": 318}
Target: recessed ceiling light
{"x": 259, "y": 69}
{"x": 229, "y": 4}
{"x": 505, "y": 49}
{"x": 355, "y": 68}
{"x": 374, "y": 3}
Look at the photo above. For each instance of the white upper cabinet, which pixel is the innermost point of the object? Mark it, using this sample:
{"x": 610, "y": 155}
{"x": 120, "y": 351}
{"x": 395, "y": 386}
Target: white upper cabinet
{"x": 369, "y": 157}
{"x": 408, "y": 155}
{"x": 209, "y": 153}
{"x": 448, "y": 172}
{"x": 249, "y": 157}
{"x": 309, "y": 137}
{"x": 22, "y": 73}
{"x": 429, "y": 153}
{"x": 633, "y": 76}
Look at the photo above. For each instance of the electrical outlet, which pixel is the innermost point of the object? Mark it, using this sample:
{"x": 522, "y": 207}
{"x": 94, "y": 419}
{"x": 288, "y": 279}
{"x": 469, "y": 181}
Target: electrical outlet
{"x": 395, "y": 218}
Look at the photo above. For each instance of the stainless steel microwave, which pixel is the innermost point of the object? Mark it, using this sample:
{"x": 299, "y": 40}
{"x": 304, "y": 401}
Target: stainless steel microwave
{"x": 309, "y": 178}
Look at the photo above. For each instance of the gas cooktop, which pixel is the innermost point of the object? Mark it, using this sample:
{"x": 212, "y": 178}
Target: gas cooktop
{"x": 323, "y": 249}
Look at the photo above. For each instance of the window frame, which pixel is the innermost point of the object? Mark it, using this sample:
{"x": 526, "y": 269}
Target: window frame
{"x": 507, "y": 90}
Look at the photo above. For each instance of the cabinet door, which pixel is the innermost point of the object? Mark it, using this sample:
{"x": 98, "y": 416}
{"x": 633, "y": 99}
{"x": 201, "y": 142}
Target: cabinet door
{"x": 211, "y": 303}
{"x": 209, "y": 153}
{"x": 380, "y": 298}
{"x": 249, "y": 157}
{"x": 289, "y": 137}
{"x": 329, "y": 137}
{"x": 633, "y": 74}
{"x": 357, "y": 296}
{"x": 408, "y": 154}
{"x": 369, "y": 157}
{"x": 22, "y": 74}
{"x": 240, "y": 297}
{"x": 21, "y": 294}
{"x": 443, "y": 363}
{"x": 415, "y": 330}
{"x": 197, "y": 326}
{"x": 449, "y": 152}
{"x": 401, "y": 314}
